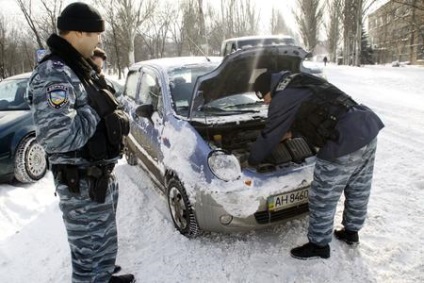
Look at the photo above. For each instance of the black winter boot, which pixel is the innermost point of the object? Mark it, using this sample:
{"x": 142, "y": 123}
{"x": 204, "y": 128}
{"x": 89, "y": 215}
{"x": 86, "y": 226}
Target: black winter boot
{"x": 116, "y": 269}
{"x": 349, "y": 237}
{"x": 310, "y": 250}
{"x": 126, "y": 278}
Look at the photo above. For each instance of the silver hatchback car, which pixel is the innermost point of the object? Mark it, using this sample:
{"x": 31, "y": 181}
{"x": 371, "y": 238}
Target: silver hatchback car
{"x": 193, "y": 120}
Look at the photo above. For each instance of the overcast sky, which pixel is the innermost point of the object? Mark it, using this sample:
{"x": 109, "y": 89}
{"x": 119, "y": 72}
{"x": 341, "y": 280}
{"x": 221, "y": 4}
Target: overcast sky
{"x": 10, "y": 8}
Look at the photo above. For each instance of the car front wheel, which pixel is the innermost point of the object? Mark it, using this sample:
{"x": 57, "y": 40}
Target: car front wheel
{"x": 181, "y": 210}
{"x": 30, "y": 161}
{"x": 130, "y": 157}
{"x": 129, "y": 154}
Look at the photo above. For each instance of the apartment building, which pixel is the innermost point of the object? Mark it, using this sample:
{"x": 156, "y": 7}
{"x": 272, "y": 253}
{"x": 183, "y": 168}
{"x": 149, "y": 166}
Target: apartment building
{"x": 396, "y": 32}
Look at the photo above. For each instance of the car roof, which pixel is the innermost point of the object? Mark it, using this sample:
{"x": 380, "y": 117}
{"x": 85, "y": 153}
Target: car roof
{"x": 171, "y": 62}
{"x": 250, "y": 37}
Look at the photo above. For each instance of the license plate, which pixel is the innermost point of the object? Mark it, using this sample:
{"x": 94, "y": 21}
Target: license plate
{"x": 287, "y": 200}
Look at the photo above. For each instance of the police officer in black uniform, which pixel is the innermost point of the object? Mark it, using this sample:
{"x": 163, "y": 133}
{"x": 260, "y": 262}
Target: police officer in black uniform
{"x": 81, "y": 128}
{"x": 345, "y": 134}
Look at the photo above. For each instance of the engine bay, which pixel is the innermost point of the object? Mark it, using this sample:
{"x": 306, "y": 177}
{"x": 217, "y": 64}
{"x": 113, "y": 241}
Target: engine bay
{"x": 238, "y": 140}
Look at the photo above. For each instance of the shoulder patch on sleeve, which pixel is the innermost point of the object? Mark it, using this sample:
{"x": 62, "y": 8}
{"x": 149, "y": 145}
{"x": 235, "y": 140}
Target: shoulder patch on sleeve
{"x": 57, "y": 95}
{"x": 57, "y": 64}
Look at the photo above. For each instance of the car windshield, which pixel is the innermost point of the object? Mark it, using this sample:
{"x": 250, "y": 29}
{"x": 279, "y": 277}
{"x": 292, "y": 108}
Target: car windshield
{"x": 234, "y": 104}
{"x": 182, "y": 82}
{"x": 12, "y": 95}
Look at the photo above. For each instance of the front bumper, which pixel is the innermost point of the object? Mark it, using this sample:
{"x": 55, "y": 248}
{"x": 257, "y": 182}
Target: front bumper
{"x": 214, "y": 209}
{"x": 210, "y": 216}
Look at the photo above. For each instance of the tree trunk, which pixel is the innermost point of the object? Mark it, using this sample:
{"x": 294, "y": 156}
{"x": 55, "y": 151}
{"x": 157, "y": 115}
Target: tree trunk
{"x": 358, "y": 33}
{"x": 413, "y": 26}
{"x": 202, "y": 27}
{"x": 131, "y": 56}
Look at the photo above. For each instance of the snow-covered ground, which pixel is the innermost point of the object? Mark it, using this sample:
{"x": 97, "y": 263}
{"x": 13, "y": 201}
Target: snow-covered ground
{"x": 33, "y": 245}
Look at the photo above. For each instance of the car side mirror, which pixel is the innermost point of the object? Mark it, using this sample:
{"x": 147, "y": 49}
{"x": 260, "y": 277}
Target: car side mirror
{"x": 145, "y": 111}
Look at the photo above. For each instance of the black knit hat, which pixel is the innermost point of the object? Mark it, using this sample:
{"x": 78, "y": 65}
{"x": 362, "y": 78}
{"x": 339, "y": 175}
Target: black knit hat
{"x": 80, "y": 17}
{"x": 262, "y": 83}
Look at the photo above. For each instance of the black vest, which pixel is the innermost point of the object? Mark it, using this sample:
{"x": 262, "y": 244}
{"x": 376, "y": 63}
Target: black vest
{"x": 107, "y": 141}
{"x": 317, "y": 117}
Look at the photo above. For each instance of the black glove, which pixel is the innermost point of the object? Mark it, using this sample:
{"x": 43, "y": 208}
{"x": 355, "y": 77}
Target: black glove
{"x": 244, "y": 163}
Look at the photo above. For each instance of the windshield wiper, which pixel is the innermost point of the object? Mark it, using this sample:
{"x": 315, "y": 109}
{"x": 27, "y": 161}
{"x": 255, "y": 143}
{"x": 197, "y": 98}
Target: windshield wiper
{"x": 246, "y": 111}
{"x": 224, "y": 111}
{"x": 256, "y": 103}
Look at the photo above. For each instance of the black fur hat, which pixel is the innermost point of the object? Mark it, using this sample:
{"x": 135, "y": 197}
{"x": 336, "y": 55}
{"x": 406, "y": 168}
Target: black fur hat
{"x": 98, "y": 52}
{"x": 80, "y": 17}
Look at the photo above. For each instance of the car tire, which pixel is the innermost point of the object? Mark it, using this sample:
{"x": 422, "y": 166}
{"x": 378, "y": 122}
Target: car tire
{"x": 30, "y": 161}
{"x": 181, "y": 210}
{"x": 130, "y": 157}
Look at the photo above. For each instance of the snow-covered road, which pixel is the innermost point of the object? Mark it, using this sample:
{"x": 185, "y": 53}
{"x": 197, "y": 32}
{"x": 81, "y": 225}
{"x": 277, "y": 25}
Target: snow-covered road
{"x": 33, "y": 246}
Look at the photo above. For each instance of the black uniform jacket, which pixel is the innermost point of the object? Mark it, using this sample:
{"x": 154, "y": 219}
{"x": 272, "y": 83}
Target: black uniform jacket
{"x": 356, "y": 128}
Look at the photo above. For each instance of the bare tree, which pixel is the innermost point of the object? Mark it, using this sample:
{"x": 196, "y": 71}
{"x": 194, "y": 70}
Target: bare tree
{"x": 16, "y": 49}
{"x": 199, "y": 29}
{"x": 26, "y": 52}
{"x": 202, "y": 26}
{"x": 240, "y": 17}
{"x": 358, "y": 32}
{"x": 10, "y": 66}
{"x": 227, "y": 16}
{"x": 246, "y": 18}
{"x": 26, "y": 7}
{"x": 48, "y": 19}
{"x": 195, "y": 34}
{"x": 191, "y": 27}
{"x": 215, "y": 30}
{"x": 3, "y": 42}
{"x": 278, "y": 24}
{"x": 115, "y": 42}
{"x": 158, "y": 31}
{"x": 176, "y": 31}
{"x": 350, "y": 12}
{"x": 309, "y": 20}
{"x": 113, "y": 39}
{"x": 334, "y": 28}
{"x": 353, "y": 22}
{"x": 131, "y": 14}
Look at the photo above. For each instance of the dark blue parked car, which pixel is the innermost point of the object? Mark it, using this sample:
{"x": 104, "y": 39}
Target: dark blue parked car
{"x": 21, "y": 157}
{"x": 193, "y": 120}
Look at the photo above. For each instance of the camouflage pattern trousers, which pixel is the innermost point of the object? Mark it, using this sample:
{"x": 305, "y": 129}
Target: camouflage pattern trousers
{"x": 350, "y": 174}
{"x": 91, "y": 229}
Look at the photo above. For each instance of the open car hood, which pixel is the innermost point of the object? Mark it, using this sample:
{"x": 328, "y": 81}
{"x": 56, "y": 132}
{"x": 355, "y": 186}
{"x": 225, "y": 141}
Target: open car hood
{"x": 238, "y": 71}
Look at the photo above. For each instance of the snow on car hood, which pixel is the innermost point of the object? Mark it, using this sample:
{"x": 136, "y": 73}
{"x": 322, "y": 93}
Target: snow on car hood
{"x": 238, "y": 71}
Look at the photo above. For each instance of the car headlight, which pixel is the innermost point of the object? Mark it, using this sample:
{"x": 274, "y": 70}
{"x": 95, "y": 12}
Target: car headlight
{"x": 223, "y": 165}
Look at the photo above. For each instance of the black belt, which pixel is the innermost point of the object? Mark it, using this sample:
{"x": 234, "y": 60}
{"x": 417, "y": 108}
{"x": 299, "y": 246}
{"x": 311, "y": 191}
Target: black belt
{"x": 74, "y": 154}
{"x": 86, "y": 171}
{"x": 72, "y": 174}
